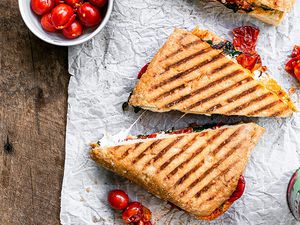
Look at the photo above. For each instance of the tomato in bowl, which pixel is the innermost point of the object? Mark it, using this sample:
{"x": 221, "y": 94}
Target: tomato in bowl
{"x": 59, "y": 22}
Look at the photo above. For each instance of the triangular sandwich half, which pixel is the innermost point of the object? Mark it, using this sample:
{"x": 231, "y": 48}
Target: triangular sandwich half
{"x": 197, "y": 171}
{"x": 189, "y": 75}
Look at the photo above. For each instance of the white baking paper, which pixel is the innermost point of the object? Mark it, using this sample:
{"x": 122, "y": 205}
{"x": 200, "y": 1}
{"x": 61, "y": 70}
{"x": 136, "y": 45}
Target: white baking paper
{"x": 105, "y": 71}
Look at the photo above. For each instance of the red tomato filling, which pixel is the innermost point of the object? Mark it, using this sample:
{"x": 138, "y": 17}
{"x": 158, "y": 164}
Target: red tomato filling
{"x": 293, "y": 65}
{"x": 224, "y": 207}
{"x": 143, "y": 70}
{"x": 244, "y": 40}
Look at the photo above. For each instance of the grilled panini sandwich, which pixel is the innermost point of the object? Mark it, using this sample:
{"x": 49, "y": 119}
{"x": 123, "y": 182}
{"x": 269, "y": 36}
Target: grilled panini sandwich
{"x": 268, "y": 11}
{"x": 197, "y": 171}
{"x": 188, "y": 74}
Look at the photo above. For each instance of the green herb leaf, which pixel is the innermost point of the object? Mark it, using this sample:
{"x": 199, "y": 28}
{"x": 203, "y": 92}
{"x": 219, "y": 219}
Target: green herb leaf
{"x": 230, "y": 50}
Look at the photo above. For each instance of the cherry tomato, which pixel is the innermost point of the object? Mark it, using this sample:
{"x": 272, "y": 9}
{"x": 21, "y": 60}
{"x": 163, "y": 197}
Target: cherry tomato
{"x": 89, "y": 15}
{"x": 289, "y": 67}
{"x": 62, "y": 16}
{"x": 40, "y": 7}
{"x": 245, "y": 39}
{"x": 146, "y": 215}
{"x": 297, "y": 71}
{"x": 73, "y": 31}
{"x": 74, "y": 3}
{"x": 143, "y": 70}
{"x": 118, "y": 199}
{"x": 98, "y": 3}
{"x": 133, "y": 213}
{"x": 239, "y": 190}
{"x": 47, "y": 23}
{"x": 248, "y": 61}
{"x": 296, "y": 51}
{"x": 57, "y": 2}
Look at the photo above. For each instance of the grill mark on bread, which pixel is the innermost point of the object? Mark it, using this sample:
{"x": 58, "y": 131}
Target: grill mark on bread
{"x": 163, "y": 151}
{"x": 198, "y": 151}
{"x": 188, "y": 58}
{"x": 269, "y": 106}
{"x": 186, "y": 72}
{"x": 207, "y": 172}
{"x": 195, "y": 168}
{"x": 182, "y": 86}
{"x": 202, "y": 89}
{"x": 206, "y": 188}
{"x": 222, "y": 66}
{"x": 249, "y": 103}
{"x": 126, "y": 153}
{"x": 219, "y": 93}
{"x": 244, "y": 93}
{"x": 279, "y": 112}
{"x": 184, "y": 47}
{"x": 142, "y": 154}
{"x": 172, "y": 91}
{"x": 183, "y": 149}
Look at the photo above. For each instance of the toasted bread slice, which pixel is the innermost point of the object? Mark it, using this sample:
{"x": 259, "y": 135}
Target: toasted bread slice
{"x": 188, "y": 75}
{"x": 197, "y": 171}
{"x": 268, "y": 11}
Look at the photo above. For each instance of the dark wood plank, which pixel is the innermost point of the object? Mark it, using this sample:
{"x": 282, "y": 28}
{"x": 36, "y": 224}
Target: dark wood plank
{"x": 33, "y": 104}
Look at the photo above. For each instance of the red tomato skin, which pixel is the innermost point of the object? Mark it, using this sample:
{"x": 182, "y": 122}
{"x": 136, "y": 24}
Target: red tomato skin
{"x": 41, "y": 7}
{"x": 296, "y": 51}
{"x": 118, "y": 199}
{"x": 62, "y": 16}
{"x": 133, "y": 213}
{"x": 297, "y": 71}
{"x": 289, "y": 66}
{"x": 143, "y": 70}
{"x": 245, "y": 39}
{"x": 73, "y": 31}
{"x": 239, "y": 190}
{"x": 74, "y": 3}
{"x": 89, "y": 15}
{"x": 47, "y": 23}
{"x": 98, "y": 3}
{"x": 57, "y": 2}
{"x": 250, "y": 62}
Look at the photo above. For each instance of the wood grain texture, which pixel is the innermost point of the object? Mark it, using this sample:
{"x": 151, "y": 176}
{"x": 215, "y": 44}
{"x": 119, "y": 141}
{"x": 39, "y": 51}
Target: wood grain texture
{"x": 33, "y": 105}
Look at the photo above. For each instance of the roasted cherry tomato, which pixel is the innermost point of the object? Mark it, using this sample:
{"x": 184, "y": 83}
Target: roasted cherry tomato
{"x": 98, "y": 3}
{"x": 248, "y": 61}
{"x": 146, "y": 215}
{"x": 74, "y": 3}
{"x": 41, "y": 7}
{"x": 62, "y": 16}
{"x": 289, "y": 67}
{"x": 73, "y": 31}
{"x": 239, "y": 190}
{"x": 143, "y": 70}
{"x": 118, "y": 199}
{"x": 296, "y": 51}
{"x": 245, "y": 39}
{"x": 297, "y": 71}
{"x": 89, "y": 15}
{"x": 47, "y": 23}
{"x": 133, "y": 213}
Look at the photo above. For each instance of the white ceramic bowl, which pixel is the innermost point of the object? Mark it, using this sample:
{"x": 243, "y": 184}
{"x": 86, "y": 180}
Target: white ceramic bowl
{"x": 32, "y": 21}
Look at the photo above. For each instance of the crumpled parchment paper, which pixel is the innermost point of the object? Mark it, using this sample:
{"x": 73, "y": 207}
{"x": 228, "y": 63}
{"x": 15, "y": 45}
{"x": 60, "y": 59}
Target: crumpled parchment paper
{"x": 105, "y": 71}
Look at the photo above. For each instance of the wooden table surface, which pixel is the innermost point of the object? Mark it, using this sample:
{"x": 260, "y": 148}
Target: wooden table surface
{"x": 33, "y": 106}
